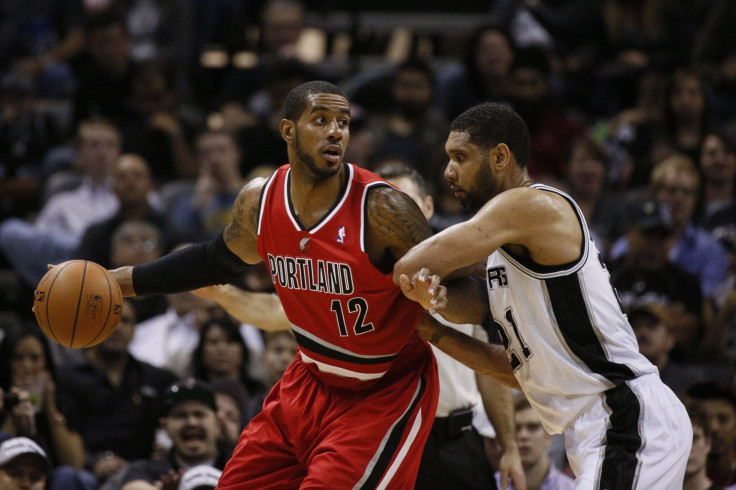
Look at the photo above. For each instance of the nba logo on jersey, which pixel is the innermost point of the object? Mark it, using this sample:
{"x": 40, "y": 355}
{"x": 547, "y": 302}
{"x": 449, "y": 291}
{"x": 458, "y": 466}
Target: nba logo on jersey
{"x": 341, "y": 235}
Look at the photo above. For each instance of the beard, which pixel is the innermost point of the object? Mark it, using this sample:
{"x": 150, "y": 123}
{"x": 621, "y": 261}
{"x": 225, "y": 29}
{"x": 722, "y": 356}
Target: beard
{"x": 483, "y": 189}
{"x": 311, "y": 164}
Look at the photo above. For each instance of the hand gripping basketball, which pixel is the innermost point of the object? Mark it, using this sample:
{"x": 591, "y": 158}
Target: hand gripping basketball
{"x": 78, "y": 303}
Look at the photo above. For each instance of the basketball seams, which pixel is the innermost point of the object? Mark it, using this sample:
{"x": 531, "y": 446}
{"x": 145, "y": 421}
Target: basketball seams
{"x": 109, "y": 306}
{"x": 48, "y": 301}
{"x": 79, "y": 304}
{"x": 62, "y": 286}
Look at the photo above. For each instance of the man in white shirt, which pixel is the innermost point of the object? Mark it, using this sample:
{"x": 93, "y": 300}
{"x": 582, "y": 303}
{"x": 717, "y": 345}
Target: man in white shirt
{"x": 59, "y": 226}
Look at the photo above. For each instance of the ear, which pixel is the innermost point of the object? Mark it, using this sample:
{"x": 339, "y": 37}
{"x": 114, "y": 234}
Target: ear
{"x": 429, "y": 204}
{"x": 288, "y": 130}
{"x": 503, "y": 156}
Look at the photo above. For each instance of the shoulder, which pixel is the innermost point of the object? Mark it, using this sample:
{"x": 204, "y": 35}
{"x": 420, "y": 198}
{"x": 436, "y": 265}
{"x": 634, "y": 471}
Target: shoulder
{"x": 387, "y": 205}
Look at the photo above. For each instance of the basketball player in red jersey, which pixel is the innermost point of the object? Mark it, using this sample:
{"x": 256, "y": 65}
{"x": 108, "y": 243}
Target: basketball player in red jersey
{"x": 356, "y": 406}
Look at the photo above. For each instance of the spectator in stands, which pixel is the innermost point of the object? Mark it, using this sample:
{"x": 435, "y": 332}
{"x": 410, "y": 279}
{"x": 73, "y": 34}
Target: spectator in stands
{"x": 630, "y": 134}
{"x": 254, "y": 118}
{"x": 105, "y": 71}
{"x": 551, "y": 128}
{"x": 533, "y": 443}
{"x": 222, "y": 353}
{"x": 115, "y": 400}
{"x": 168, "y": 340}
{"x": 687, "y": 117}
{"x": 134, "y": 242}
{"x": 206, "y": 211}
{"x": 484, "y": 75}
{"x": 160, "y": 32}
{"x": 38, "y": 41}
{"x": 645, "y": 273}
{"x": 58, "y": 228}
{"x": 413, "y": 130}
{"x": 26, "y": 134}
{"x": 191, "y": 423}
{"x": 157, "y": 128}
{"x": 585, "y": 176}
{"x": 675, "y": 181}
{"x": 653, "y": 327}
{"x": 696, "y": 477}
{"x": 133, "y": 187}
{"x": 637, "y": 36}
{"x": 718, "y": 169}
{"x": 233, "y": 407}
{"x": 23, "y": 465}
{"x": 718, "y": 403}
{"x": 26, "y": 366}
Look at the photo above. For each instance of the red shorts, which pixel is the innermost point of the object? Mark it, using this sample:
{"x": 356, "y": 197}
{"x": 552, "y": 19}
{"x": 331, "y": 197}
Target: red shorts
{"x": 311, "y": 435}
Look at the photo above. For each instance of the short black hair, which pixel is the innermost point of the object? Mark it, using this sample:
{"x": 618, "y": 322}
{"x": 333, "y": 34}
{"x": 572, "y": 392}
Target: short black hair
{"x": 296, "y": 101}
{"x": 490, "y": 124}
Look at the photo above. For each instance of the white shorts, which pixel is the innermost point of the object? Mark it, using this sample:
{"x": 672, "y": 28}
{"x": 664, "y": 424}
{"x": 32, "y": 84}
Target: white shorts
{"x": 637, "y": 436}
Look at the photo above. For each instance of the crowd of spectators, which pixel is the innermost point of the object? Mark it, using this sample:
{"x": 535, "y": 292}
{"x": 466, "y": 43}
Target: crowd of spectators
{"x": 127, "y": 127}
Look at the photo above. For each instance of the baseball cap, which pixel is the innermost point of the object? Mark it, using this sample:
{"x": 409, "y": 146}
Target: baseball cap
{"x": 650, "y": 214}
{"x": 652, "y": 310}
{"x": 199, "y": 476}
{"x": 189, "y": 389}
{"x": 17, "y": 446}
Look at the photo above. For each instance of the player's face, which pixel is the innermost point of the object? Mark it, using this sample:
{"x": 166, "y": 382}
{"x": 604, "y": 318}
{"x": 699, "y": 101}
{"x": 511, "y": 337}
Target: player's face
{"x": 698, "y": 453}
{"x": 192, "y": 426}
{"x": 530, "y": 436}
{"x": 322, "y": 134}
{"x": 469, "y": 172}
{"x": 23, "y": 473}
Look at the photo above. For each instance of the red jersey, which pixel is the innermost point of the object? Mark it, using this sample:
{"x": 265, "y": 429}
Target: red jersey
{"x": 350, "y": 320}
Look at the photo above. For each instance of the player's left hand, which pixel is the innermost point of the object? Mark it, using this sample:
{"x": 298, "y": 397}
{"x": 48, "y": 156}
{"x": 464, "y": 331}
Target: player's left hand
{"x": 425, "y": 289}
{"x": 510, "y": 467}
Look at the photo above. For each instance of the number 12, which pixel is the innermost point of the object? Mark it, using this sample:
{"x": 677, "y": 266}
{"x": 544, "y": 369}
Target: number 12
{"x": 354, "y": 304}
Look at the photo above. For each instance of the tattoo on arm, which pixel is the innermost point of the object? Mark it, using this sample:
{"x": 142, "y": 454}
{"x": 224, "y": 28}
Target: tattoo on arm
{"x": 397, "y": 217}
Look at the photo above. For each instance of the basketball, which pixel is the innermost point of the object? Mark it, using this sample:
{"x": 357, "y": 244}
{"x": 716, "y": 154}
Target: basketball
{"x": 78, "y": 303}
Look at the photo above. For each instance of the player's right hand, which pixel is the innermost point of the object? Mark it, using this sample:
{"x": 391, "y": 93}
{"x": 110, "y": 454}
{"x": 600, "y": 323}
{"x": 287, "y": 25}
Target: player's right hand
{"x": 425, "y": 289}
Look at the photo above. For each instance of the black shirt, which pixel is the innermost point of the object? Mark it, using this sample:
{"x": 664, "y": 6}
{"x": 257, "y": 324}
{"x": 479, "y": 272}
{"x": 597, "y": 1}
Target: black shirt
{"x": 122, "y": 419}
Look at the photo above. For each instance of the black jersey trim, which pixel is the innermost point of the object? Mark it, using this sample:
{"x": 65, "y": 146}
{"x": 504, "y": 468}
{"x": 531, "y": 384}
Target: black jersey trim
{"x": 323, "y": 350}
{"x": 623, "y": 443}
{"x": 531, "y": 268}
{"x": 382, "y": 459}
{"x": 577, "y": 329}
{"x": 335, "y": 206}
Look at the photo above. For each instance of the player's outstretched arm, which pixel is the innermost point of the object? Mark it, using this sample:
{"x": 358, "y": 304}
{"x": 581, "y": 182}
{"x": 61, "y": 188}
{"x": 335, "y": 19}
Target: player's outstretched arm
{"x": 262, "y": 310}
{"x": 487, "y": 359}
{"x": 219, "y": 261}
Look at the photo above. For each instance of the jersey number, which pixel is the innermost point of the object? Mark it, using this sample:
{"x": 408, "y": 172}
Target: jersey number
{"x": 513, "y": 356}
{"x": 354, "y": 304}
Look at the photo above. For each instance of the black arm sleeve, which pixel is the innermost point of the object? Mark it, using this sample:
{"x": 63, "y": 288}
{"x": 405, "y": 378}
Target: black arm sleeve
{"x": 190, "y": 268}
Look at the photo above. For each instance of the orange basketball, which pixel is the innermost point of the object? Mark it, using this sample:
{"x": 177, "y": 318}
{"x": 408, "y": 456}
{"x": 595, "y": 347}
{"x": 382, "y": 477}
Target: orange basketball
{"x": 78, "y": 303}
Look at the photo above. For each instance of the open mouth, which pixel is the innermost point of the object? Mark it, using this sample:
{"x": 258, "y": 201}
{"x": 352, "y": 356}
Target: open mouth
{"x": 332, "y": 154}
